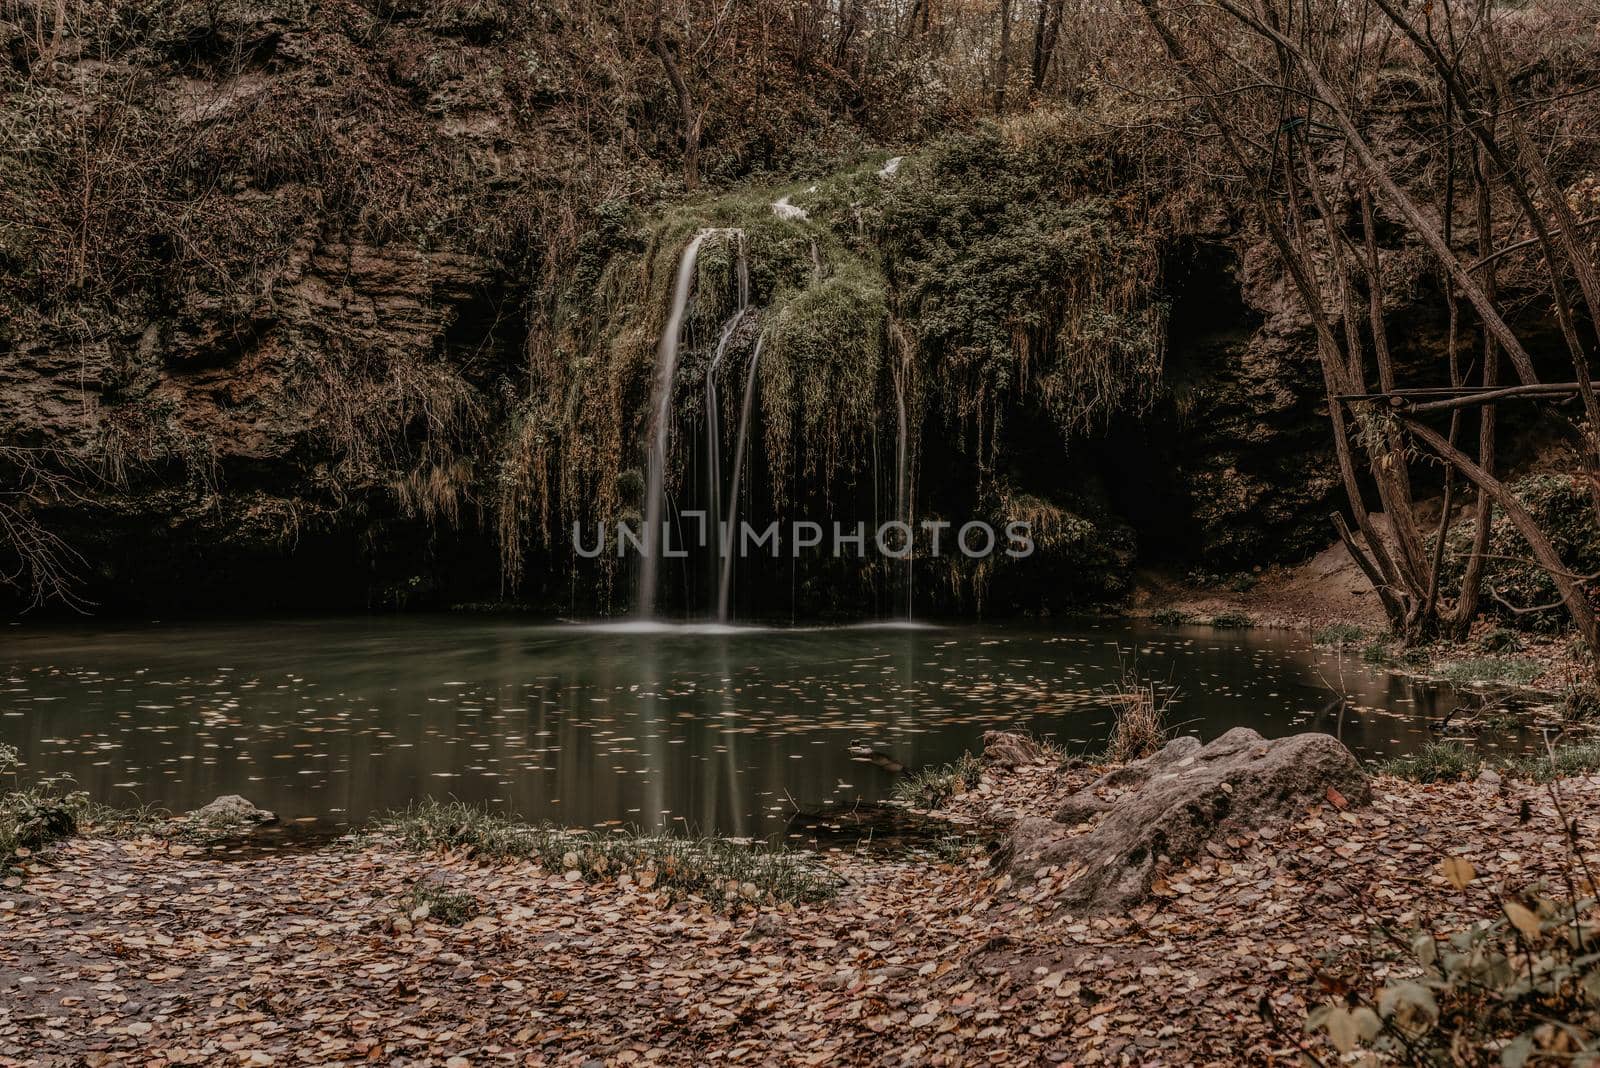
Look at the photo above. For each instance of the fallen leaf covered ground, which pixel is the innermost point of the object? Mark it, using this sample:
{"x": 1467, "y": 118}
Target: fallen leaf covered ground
{"x": 146, "y": 952}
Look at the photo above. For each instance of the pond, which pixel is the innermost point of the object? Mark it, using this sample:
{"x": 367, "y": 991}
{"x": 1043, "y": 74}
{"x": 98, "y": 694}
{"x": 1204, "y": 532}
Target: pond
{"x": 698, "y": 728}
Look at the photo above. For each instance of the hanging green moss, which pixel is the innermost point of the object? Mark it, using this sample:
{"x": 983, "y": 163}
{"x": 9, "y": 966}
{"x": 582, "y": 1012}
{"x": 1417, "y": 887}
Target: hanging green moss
{"x": 989, "y": 272}
{"x": 820, "y": 372}
{"x": 1019, "y": 280}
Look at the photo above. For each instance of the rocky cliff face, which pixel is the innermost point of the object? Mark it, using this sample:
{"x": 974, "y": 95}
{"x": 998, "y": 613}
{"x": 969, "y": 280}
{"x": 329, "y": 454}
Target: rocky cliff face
{"x": 293, "y": 291}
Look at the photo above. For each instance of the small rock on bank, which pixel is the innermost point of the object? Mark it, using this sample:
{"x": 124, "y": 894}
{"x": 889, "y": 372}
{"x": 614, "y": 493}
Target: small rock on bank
{"x": 231, "y": 810}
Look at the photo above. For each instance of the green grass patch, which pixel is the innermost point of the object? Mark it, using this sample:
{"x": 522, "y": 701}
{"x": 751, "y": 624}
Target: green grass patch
{"x": 430, "y": 901}
{"x": 1577, "y": 759}
{"x": 1171, "y": 617}
{"x": 1434, "y": 762}
{"x": 1489, "y": 671}
{"x": 1454, "y": 761}
{"x": 721, "y": 871}
{"x": 932, "y": 787}
{"x": 1339, "y": 635}
{"x": 1233, "y": 620}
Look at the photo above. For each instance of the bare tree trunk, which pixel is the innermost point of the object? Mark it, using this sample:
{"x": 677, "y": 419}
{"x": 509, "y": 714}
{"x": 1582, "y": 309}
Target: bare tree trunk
{"x": 1388, "y": 465}
{"x": 693, "y": 118}
{"x": 1483, "y": 513}
{"x": 1046, "y": 31}
{"x": 1441, "y": 531}
{"x": 1545, "y": 553}
{"x": 1003, "y": 62}
{"x": 1449, "y": 74}
{"x": 1577, "y": 255}
{"x": 1420, "y": 224}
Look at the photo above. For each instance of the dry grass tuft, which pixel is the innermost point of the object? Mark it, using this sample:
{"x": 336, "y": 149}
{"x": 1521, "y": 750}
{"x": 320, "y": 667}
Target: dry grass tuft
{"x": 1140, "y": 726}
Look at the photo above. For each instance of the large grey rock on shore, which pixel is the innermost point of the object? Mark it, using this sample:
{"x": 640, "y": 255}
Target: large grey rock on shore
{"x": 1163, "y": 809}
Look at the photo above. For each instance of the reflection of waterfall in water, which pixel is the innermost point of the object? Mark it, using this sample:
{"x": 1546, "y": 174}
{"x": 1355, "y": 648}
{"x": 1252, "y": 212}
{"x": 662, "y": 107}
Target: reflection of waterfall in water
{"x": 713, "y": 415}
{"x": 661, "y": 424}
{"x": 740, "y": 445}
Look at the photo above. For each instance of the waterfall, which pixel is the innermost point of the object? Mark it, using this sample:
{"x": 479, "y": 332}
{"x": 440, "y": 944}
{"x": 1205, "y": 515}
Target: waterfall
{"x": 902, "y": 481}
{"x": 730, "y": 539}
{"x": 713, "y": 446}
{"x": 661, "y": 425}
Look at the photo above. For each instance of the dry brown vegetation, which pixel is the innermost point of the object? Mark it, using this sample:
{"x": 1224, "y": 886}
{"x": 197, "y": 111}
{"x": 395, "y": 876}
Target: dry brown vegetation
{"x": 1304, "y": 100}
{"x": 297, "y": 210}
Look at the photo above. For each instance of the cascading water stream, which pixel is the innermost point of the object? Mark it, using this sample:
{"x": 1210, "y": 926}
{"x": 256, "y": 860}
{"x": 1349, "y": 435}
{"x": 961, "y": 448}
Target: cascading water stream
{"x": 902, "y": 483}
{"x": 661, "y": 425}
{"x": 713, "y": 413}
{"x": 725, "y": 582}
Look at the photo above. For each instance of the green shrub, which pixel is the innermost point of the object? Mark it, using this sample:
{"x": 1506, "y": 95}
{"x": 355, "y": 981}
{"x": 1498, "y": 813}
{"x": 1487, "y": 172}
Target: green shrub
{"x": 724, "y": 873}
{"x": 1390, "y": 652}
{"x": 1580, "y": 703}
{"x": 34, "y": 817}
{"x": 1434, "y": 762}
{"x": 1501, "y": 640}
{"x": 1233, "y": 620}
{"x": 1415, "y": 656}
{"x": 1377, "y": 653}
{"x": 1171, "y": 617}
{"x": 932, "y": 787}
{"x": 1519, "y": 986}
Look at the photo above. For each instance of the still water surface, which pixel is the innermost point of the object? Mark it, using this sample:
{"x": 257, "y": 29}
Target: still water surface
{"x": 700, "y": 728}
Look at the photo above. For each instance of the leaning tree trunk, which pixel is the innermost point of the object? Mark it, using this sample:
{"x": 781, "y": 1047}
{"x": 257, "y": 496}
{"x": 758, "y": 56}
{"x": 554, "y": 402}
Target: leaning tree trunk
{"x": 1466, "y": 607}
{"x": 1572, "y": 595}
{"x": 692, "y": 118}
{"x": 1002, "y": 72}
